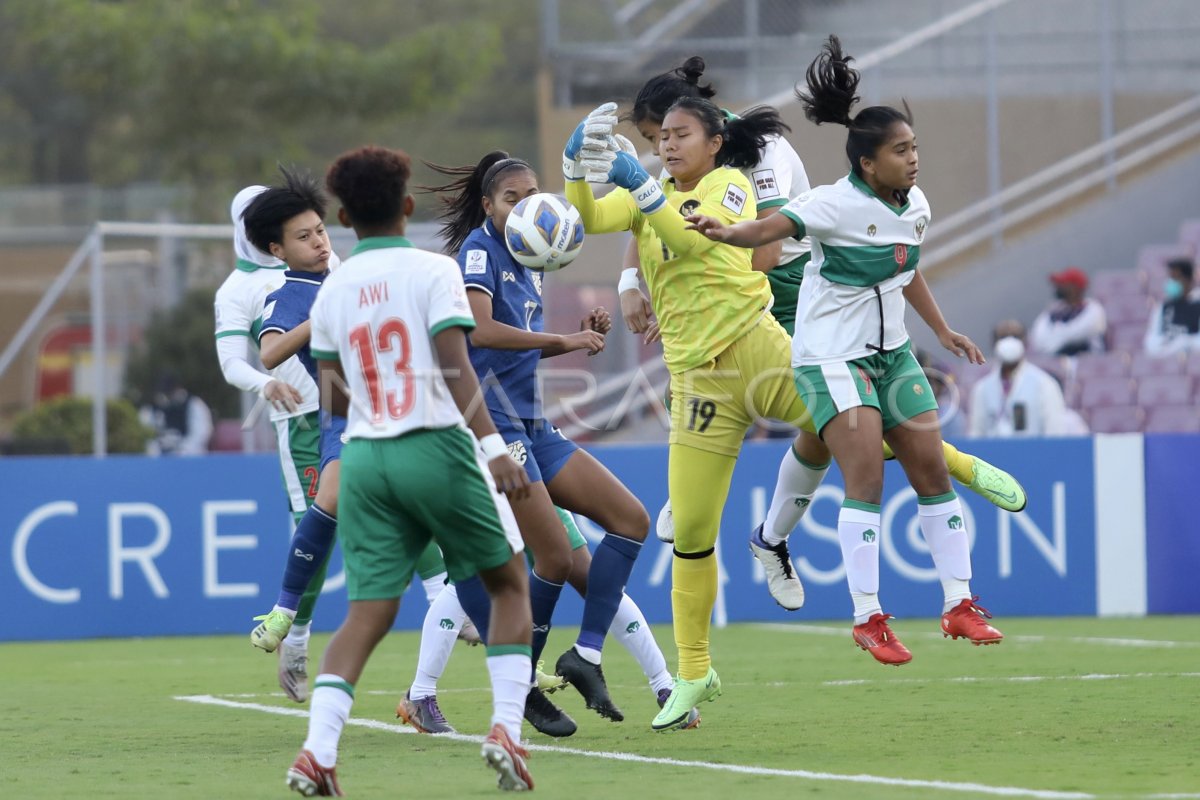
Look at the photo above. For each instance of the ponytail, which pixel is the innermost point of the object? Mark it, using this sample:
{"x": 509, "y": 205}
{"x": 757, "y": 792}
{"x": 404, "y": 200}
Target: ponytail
{"x": 462, "y": 211}
{"x": 660, "y": 92}
{"x": 829, "y": 96}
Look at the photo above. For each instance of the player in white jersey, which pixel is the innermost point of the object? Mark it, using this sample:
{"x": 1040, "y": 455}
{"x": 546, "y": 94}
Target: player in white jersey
{"x": 390, "y": 328}
{"x": 851, "y": 356}
{"x": 293, "y": 398}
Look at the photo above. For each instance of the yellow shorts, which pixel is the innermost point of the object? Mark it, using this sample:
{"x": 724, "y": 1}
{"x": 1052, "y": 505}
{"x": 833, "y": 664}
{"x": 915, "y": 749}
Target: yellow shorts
{"x": 712, "y": 406}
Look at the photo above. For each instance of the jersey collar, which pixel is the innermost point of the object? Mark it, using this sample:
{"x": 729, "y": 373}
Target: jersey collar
{"x": 249, "y": 266}
{"x": 296, "y": 276}
{"x": 489, "y": 227}
{"x": 863, "y": 187}
{"x": 378, "y": 243}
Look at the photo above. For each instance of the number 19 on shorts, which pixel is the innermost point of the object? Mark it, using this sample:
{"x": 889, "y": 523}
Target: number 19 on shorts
{"x": 700, "y": 414}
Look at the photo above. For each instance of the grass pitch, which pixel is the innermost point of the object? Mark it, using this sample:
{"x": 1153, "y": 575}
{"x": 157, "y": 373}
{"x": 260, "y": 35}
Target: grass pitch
{"x": 1062, "y": 708}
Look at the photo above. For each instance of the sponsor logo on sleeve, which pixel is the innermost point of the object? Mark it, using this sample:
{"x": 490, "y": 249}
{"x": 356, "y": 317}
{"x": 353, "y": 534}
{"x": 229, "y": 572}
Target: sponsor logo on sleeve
{"x": 765, "y": 185}
{"x": 476, "y": 262}
{"x": 735, "y": 198}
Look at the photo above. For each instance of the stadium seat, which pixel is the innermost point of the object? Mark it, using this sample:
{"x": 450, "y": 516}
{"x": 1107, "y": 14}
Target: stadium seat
{"x": 1126, "y": 308}
{"x": 1114, "y": 283}
{"x": 1189, "y": 234}
{"x": 1173, "y": 419}
{"x": 1193, "y": 364}
{"x": 1155, "y": 390}
{"x": 1143, "y": 366}
{"x": 1116, "y": 419}
{"x": 1055, "y": 365}
{"x": 1106, "y": 391}
{"x": 1128, "y": 337}
{"x": 1101, "y": 365}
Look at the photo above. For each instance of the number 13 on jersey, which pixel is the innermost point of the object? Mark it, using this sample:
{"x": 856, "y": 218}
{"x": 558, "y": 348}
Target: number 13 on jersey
{"x": 392, "y": 336}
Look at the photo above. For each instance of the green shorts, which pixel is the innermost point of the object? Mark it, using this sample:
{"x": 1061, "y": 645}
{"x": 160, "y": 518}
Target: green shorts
{"x": 300, "y": 458}
{"x": 576, "y": 538}
{"x": 892, "y": 383}
{"x": 785, "y": 282}
{"x": 398, "y": 494}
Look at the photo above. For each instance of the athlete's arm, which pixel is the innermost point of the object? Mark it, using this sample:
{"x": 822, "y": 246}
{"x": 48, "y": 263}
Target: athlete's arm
{"x": 451, "y": 347}
{"x": 610, "y": 214}
{"x": 332, "y": 380}
{"x": 276, "y": 347}
{"x": 635, "y": 306}
{"x": 766, "y": 257}
{"x": 751, "y": 233}
{"x": 233, "y": 352}
{"x": 921, "y": 299}
{"x": 496, "y": 335}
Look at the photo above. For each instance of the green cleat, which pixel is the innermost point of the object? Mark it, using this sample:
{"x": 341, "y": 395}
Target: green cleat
{"x": 996, "y": 486}
{"x": 549, "y": 683}
{"x": 271, "y": 630}
{"x": 676, "y": 713}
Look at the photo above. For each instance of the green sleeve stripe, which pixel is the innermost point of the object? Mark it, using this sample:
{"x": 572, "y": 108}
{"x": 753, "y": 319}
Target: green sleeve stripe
{"x": 776, "y": 203}
{"x": 223, "y": 334}
{"x": 453, "y": 322}
{"x": 325, "y": 355}
{"x": 801, "y": 231}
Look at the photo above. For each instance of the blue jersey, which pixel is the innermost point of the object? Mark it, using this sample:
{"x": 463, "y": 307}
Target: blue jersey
{"x": 508, "y": 377}
{"x": 287, "y": 307}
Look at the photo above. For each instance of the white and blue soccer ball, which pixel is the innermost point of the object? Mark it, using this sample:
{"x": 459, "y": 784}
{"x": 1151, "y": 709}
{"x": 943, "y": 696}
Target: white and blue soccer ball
{"x": 544, "y": 232}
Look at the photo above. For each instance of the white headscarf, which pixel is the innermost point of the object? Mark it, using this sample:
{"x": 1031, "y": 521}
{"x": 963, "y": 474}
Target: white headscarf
{"x": 241, "y": 244}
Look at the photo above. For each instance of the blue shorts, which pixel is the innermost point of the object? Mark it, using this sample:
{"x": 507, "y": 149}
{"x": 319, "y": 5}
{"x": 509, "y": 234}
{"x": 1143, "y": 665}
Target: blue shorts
{"x": 333, "y": 436}
{"x": 536, "y": 445}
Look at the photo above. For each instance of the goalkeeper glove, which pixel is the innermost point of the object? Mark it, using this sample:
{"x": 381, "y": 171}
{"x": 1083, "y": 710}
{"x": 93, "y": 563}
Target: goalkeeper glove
{"x": 587, "y": 149}
{"x": 628, "y": 173}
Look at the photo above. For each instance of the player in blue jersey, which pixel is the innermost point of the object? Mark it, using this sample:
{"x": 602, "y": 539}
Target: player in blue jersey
{"x": 288, "y": 222}
{"x": 506, "y": 346}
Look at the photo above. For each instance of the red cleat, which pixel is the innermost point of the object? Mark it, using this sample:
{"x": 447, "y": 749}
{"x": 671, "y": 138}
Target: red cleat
{"x": 507, "y": 757}
{"x": 877, "y": 638}
{"x": 966, "y": 620}
{"x": 310, "y": 779}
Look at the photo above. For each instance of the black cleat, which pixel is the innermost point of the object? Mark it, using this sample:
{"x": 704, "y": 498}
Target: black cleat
{"x": 588, "y": 680}
{"x": 546, "y": 717}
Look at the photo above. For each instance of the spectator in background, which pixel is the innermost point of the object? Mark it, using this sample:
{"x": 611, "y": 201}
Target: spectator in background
{"x": 182, "y": 421}
{"x": 1175, "y": 325}
{"x": 1016, "y": 398}
{"x": 1074, "y": 323}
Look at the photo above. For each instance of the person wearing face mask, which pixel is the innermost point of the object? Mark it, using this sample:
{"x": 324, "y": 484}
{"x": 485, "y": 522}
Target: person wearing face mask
{"x": 1175, "y": 325}
{"x": 1016, "y": 398}
{"x": 1074, "y": 323}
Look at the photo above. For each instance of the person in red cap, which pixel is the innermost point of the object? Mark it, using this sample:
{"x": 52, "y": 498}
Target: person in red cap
{"x": 1073, "y": 323}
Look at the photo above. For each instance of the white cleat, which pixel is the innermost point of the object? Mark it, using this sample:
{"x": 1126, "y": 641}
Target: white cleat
{"x": 664, "y": 528}
{"x": 782, "y": 582}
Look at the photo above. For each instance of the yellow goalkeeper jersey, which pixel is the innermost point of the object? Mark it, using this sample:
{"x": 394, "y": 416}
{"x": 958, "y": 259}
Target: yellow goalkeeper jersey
{"x": 705, "y": 294}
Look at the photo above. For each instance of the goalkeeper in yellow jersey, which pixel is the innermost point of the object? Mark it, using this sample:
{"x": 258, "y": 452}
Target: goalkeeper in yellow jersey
{"x": 729, "y": 359}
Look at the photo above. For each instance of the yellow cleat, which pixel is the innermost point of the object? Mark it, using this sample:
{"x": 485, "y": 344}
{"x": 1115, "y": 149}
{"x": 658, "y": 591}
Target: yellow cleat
{"x": 676, "y": 713}
{"x": 996, "y": 486}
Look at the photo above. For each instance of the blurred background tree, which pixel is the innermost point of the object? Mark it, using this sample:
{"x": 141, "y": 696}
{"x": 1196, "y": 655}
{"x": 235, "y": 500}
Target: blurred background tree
{"x": 63, "y": 426}
{"x": 213, "y": 93}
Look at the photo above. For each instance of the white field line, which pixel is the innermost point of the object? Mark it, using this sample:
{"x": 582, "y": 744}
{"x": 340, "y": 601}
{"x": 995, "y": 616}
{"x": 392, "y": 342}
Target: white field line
{"x": 1096, "y": 676}
{"x": 789, "y": 627}
{"x": 978, "y": 788}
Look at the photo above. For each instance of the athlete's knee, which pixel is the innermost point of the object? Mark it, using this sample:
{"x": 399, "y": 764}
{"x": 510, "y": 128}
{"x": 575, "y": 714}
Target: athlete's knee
{"x": 864, "y": 488}
{"x": 553, "y": 560}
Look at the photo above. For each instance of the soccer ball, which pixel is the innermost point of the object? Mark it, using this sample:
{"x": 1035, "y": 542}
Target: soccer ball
{"x": 544, "y": 232}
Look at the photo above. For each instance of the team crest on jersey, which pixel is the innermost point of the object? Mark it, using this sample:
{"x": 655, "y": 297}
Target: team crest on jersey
{"x": 919, "y": 229}
{"x": 689, "y": 207}
{"x": 871, "y": 229}
{"x": 476, "y": 262}
{"x": 765, "y": 185}
{"x": 901, "y": 255}
{"x": 517, "y": 451}
{"x": 537, "y": 282}
{"x": 735, "y": 198}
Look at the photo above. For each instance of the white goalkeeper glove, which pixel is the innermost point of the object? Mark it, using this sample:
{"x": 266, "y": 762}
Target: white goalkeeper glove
{"x": 587, "y": 150}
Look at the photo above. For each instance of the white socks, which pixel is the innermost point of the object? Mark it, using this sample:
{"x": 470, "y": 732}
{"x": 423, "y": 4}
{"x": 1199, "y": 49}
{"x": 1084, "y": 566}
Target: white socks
{"x": 794, "y": 488}
{"x": 629, "y": 627}
{"x": 588, "y": 654}
{"x": 434, "y": 586}
{"x": 858, "y": 534}
{"x": 298, "y": 636}
{"x": 510, "y": 684}
{"x": 443, "y": 621}
{"x": 332, "y": 698}
{"x": 945, "y": 531}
